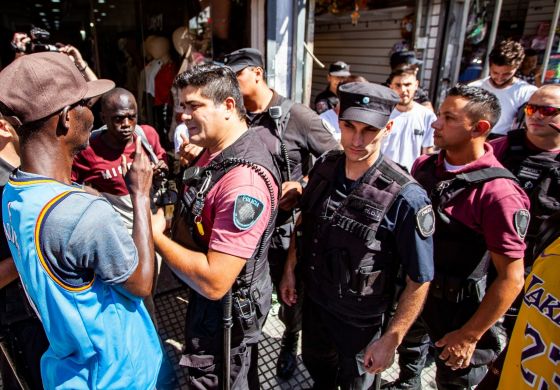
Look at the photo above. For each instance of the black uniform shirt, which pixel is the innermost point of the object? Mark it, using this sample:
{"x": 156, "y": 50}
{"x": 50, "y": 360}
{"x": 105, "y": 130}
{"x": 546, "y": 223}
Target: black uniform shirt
{"x": 305, "y": 135}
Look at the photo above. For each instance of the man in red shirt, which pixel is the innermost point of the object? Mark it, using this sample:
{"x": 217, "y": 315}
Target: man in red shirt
{"x": 481, "y": 220}
{"x": 532, "y": 156}
{"x": 100, "y": 165}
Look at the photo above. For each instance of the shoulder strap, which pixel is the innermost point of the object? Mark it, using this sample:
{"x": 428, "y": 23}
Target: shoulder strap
{"x": 282, "y": 121}
{"x": 286, "y": 107}
{"x": 485, "y": 174}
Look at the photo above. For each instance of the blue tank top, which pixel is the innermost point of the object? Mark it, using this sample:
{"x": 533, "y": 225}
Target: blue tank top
{"x": 100, "y": 335}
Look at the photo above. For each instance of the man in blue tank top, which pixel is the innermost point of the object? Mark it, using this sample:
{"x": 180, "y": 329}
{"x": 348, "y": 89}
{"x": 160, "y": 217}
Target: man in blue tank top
{"x": 83, "y": 273}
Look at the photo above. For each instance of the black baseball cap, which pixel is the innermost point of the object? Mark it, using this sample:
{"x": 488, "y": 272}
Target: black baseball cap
{"x": 404, "y": 58}
{"x": 367, "y": 103}
{"x": 242, "y": 58}
{"x": 339, "y": 69}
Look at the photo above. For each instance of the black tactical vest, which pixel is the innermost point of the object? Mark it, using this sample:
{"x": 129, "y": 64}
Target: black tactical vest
{"x": 461, "y": 259}
{"x": 349, "y": 263}
{"x": 539, "y": 175}
{"x": 245, "y": 151}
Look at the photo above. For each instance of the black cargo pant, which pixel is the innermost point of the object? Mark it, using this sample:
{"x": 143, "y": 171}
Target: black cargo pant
{"x": 438, "y": 318}
{"x": 204, "y": 342}
{"x": 332, "y": 350}
{"x": 277, "y": 255}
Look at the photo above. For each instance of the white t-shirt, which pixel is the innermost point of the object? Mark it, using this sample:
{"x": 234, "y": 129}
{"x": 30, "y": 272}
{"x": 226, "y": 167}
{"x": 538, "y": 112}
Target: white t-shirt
{"x": 331, "y": 119}
{"x": 411, "y": 131}
{"x": 511, "y": 99}
{"x": 177, "y": 140}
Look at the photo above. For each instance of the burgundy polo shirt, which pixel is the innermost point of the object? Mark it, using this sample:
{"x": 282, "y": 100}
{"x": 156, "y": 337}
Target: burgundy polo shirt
{"x": 488, "y": 209}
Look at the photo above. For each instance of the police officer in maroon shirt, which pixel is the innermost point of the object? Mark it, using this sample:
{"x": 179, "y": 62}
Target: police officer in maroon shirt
{"x": 481, "y": 220}
{"x": 533, "y": 156}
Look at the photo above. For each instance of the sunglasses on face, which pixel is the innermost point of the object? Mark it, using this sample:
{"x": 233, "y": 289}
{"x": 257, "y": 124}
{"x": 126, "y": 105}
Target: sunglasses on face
{"x": 531, "y": 109}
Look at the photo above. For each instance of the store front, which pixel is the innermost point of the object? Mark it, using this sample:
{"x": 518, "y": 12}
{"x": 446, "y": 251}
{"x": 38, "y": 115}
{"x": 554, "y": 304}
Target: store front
{"x": 453, "y": 38}
{"x": 140, "y": 44}
{"x": 470, "y": 28}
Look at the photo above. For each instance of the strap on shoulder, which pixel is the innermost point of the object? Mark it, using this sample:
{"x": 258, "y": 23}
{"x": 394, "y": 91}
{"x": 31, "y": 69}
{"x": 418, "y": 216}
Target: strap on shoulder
{"x": 485, "y": 174}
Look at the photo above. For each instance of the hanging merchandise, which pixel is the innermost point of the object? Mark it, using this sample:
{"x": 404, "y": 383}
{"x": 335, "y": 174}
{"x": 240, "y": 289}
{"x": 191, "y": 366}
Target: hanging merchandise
{"x": 477, "y": 25}
{"x": 355, "y": 14}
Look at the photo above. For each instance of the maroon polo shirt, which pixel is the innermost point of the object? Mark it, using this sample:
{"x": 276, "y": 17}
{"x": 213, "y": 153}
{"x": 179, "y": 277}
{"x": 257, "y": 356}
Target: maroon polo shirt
{"x": 488, "y": 209}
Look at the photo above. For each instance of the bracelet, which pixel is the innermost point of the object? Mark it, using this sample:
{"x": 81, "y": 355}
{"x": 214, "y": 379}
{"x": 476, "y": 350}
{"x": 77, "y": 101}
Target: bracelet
{"x": 84, "y": 68}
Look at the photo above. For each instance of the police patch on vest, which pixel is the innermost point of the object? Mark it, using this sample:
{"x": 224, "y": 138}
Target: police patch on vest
{"x": 246, "y": 211}
{"x": 426, "y": 221}
{"x": 521, "y": 219}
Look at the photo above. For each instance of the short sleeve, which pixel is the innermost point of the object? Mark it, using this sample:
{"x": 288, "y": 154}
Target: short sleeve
{"x": 79, "y": 166}
{"x": 314, "y": 130}
{"x": 504, "y": 221}
{"x": 82, "y": 233}
{"x": 428, "y": 140}
{"x": 241, "y": 210}
{"x": 413, "y": 221}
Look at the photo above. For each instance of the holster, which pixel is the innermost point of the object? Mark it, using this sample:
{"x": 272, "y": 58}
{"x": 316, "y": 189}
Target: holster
{"x": 457, "y": 290}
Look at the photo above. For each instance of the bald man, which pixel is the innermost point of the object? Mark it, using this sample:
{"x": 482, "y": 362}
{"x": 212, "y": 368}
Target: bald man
{"x": 99, "y": 166}
{"x": 532, "y": 155}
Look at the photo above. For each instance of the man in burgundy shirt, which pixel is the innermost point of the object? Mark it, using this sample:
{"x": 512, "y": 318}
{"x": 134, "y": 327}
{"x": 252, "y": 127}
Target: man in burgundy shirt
{"x": 100, "y": 165}
{"x": 481, "y": 221}
{"x": 532, "y": 156}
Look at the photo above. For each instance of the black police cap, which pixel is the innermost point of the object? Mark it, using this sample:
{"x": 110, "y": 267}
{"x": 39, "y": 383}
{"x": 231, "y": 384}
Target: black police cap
{"x": 340, "y": 69}
{"x": 404, "y": 58}
{"x": 368, "y": 103}
{"x": 242, "y": 58}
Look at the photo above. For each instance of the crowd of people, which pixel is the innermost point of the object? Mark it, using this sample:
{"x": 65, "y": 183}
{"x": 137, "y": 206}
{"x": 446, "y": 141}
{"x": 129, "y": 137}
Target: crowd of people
{"x": 382, "y": 225}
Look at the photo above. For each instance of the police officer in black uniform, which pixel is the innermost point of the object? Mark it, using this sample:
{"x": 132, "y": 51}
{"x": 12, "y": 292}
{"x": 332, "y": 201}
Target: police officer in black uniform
{"x": 327, "y": 99}
{"x": 366, "y": 227}
{"x": 293, "y": 133}
{"x": 223, "y": 230}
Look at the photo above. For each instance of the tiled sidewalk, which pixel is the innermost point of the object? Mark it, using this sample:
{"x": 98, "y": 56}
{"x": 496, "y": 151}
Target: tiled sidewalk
{"x": 172, "y": 306}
